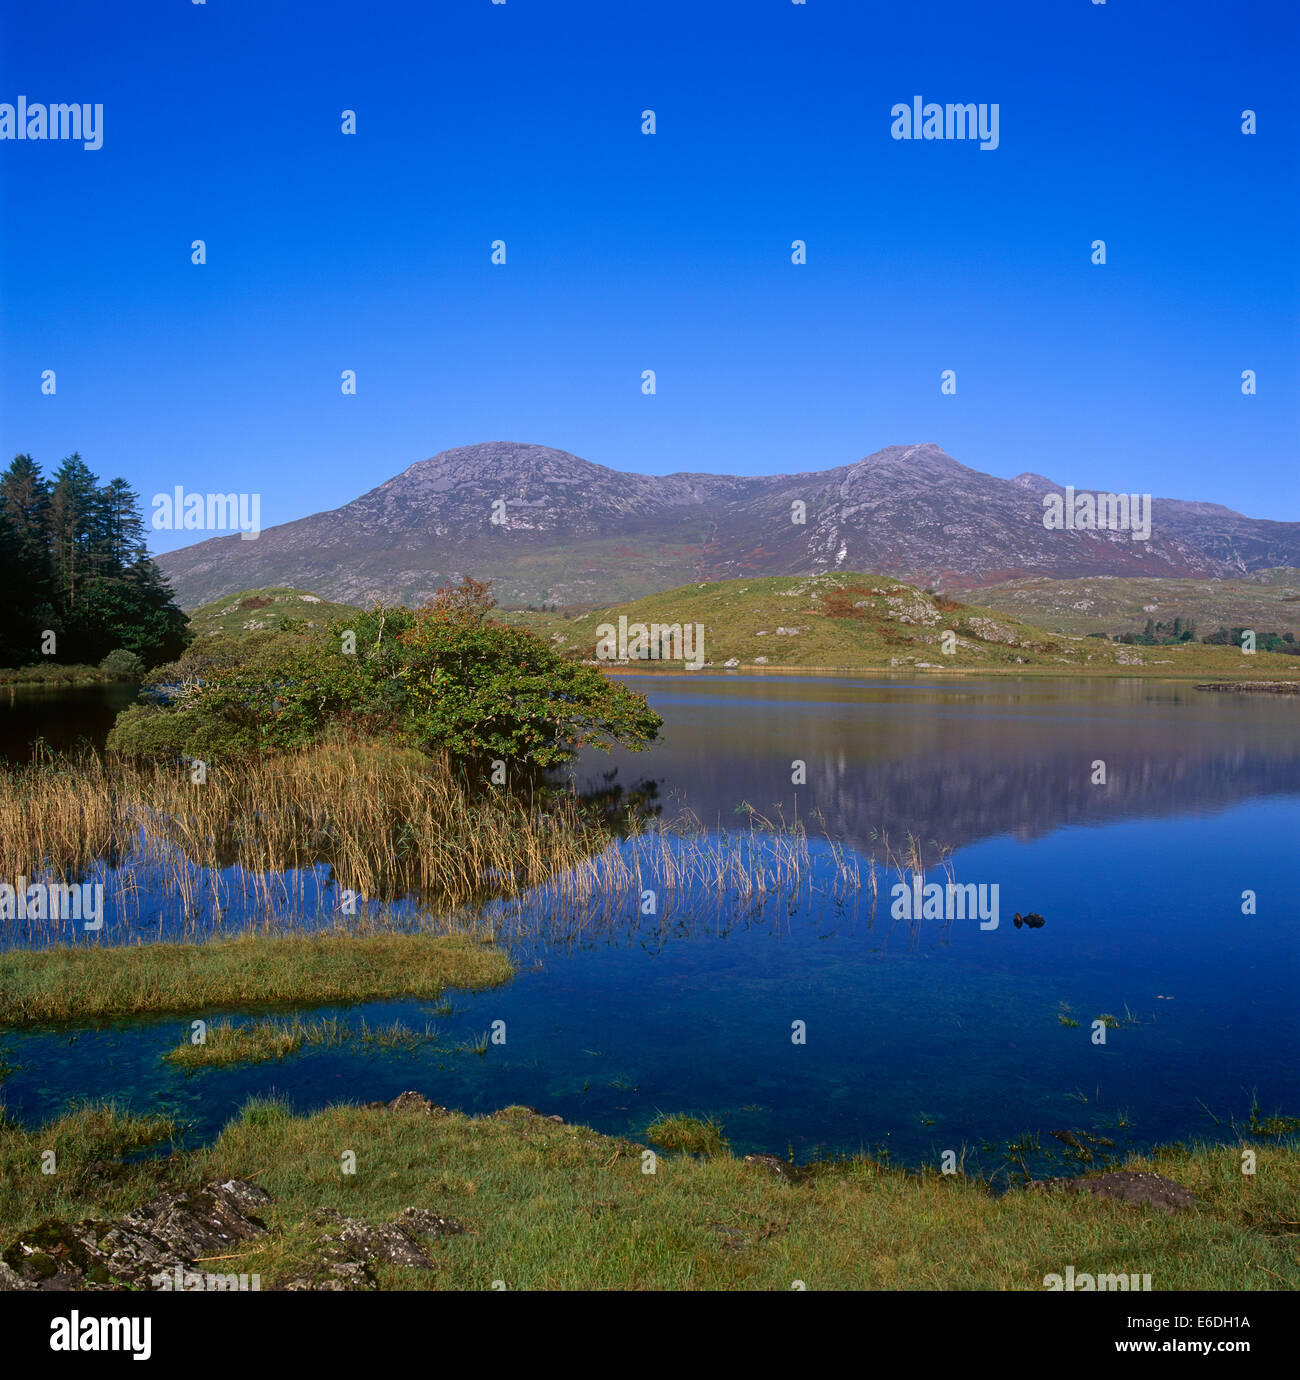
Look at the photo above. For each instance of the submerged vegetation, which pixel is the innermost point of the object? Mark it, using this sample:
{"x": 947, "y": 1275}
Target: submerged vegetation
{"x": 256, "y": 1042}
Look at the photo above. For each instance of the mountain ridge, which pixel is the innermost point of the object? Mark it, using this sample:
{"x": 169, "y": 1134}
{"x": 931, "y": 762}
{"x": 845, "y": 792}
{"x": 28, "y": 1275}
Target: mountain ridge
{"x": 547, "y": 526}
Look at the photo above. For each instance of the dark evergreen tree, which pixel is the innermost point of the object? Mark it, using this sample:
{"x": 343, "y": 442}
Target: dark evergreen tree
{"x": 74, "y": 559}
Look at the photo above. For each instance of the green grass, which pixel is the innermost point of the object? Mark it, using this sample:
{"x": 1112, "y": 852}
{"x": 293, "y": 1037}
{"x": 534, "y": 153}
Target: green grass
{"x": 857, "y": 621}
{"x": 96, "y": 1169}
{"x": 549, "y": 1206}
{"x": 79, "y": 984}
{"x": 258, "y": 610}
{"x": 692, "y": 1134}
{"x": 257, "y": 1042}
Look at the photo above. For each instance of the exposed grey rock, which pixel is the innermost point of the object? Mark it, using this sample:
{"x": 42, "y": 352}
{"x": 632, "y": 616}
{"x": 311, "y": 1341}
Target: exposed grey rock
{"x": 351, "y": 1249}
{"x": 173, "y": 1229}
{"x": 200, "y": 1231}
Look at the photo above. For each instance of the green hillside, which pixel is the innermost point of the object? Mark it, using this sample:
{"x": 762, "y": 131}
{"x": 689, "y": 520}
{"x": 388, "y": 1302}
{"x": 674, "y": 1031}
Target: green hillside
{"x": 263, "y": 610}
{"x": 1268, "y": 601}
{"x": 849, "y": 620}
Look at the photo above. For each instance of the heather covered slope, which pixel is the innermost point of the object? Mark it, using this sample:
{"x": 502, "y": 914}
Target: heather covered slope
{"x": 549, "y": 528}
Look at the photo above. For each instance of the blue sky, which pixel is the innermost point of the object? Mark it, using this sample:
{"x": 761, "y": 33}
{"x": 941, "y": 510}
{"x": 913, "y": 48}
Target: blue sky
{"x": 670, "y": 252}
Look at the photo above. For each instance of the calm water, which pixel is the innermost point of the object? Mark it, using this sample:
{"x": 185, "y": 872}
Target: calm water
{"x": 63, "y": 718}
{"x": 919, "y": 1039}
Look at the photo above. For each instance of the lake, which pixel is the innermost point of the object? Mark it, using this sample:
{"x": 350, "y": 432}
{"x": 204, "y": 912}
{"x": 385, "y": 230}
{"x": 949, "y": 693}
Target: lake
{"x": 916, "y": 1037}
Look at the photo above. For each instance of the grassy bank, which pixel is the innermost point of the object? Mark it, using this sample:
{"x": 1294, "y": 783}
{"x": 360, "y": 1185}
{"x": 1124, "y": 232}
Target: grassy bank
{"x": 550, "y": 1206}
{"x": 77, "y": 984}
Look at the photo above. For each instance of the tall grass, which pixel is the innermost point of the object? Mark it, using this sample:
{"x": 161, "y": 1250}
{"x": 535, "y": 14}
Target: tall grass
{"x": 275, "y": 845}
{"x": 385, "y": 820}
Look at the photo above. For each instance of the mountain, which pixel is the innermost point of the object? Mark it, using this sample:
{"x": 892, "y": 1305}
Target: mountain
{"x": 575, "y": 533}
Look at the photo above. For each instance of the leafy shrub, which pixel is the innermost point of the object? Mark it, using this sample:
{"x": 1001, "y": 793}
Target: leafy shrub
{"x": 443, "y": 677}
{"x": 123, "y": 663}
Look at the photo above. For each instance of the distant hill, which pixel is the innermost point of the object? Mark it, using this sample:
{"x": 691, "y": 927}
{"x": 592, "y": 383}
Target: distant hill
{"x": 258, "y": 610}
{"x": 573, "y": 533}
{"x": 852, "y": 620}
{"x": 1268, "y": 601}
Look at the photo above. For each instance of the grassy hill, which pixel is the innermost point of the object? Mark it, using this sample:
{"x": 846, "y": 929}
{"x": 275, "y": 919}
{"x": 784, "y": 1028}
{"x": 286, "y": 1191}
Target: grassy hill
{"x": 259, "y": 610}
{"x": 1267, "y": 601}
{"x": 850, "y": 621}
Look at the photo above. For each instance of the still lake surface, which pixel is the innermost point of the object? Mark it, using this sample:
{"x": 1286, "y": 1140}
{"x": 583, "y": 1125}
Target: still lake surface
{"x": 918, "y": 1038}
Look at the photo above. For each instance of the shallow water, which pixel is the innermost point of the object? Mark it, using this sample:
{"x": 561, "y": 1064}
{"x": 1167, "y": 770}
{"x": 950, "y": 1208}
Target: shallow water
{"x": 919, "y": 1038}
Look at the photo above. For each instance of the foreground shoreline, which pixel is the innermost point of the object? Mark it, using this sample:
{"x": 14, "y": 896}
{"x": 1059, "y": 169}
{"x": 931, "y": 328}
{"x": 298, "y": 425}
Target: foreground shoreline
{"x": 406, "y": 1195}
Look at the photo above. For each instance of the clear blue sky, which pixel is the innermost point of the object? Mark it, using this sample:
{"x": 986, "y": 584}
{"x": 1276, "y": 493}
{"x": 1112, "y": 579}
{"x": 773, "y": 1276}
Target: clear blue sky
{"x": 668, "y": 252}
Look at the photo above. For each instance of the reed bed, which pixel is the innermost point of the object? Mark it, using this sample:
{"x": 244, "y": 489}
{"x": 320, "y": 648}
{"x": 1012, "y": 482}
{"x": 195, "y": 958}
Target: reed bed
{"x": 386, "y": 818}
{"x": 368, "y": 837}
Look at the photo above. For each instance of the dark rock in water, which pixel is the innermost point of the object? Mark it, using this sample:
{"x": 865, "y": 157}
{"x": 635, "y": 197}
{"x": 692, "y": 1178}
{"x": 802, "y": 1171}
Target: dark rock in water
{"x": 1128, "y": 1186}
{"x": 173, "y": 1229}
{"x": 1033, "y": 920}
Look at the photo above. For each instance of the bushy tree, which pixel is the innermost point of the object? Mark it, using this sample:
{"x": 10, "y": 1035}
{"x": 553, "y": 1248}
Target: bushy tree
{"x": 446, "y": 677}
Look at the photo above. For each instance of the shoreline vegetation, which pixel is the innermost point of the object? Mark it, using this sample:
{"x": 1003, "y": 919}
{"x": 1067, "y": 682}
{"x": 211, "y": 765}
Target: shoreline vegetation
{"x": 58, "y": 676}
{"x": 79, "y": 985}
{"x": 522, "y": 1200}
